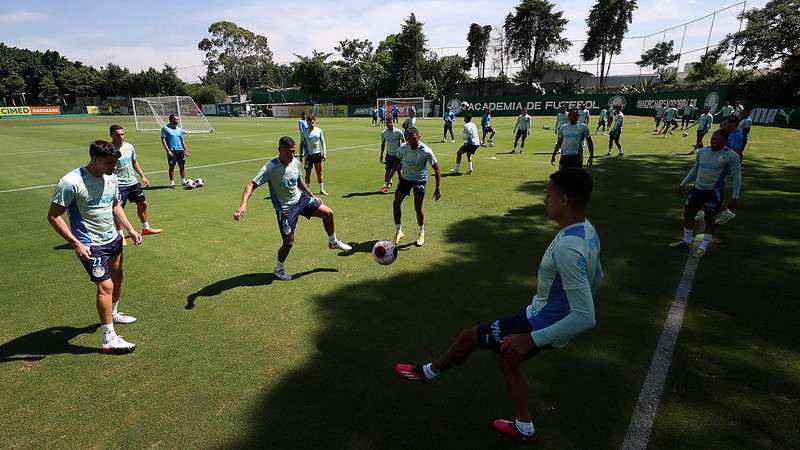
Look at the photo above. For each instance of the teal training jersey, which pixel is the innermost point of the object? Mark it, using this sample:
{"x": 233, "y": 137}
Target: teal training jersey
{"x": 392, "y": 140}
{"x": 409, "y": 123}
{"x": 745, "y": 124}
{"x": 583, "y": 116}
{"x": 603, "y": 113}
{"x": 89, "y": 201}
{"x": 561, "y": 119}
{"x": 126, "y": 176}
{"x": 726, "y": 111}
{"x": 704, "y": 122}
{"x": 709, "y": 168}
{"x": 523, "y": 123}
{"x": 670, "y": 114}
{"x": 687, "y": 109}
{"x": 315, "y": 141}
{"x": 282, "y": 181}
{"x": 173, "y": 137}
{"x": 618, "y": 119}
{"x": 415, "y": 162}
{"x": 660, "y": 110}
{"x": 470, "y": 134}
{"x": 738, "y": 110}
{"x": 572, "y": 138}
{"x": 569, "y": 274}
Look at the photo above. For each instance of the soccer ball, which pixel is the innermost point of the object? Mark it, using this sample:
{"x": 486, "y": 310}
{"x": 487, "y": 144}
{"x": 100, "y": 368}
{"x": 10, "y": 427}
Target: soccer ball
{"x": 384, "y": 252}
{"x": 464, "y": 105}
{"x": 685, "y": 134}
{"x": 190, "y": 184}
{"x": 199, "y": 182}
{"x": 546, "y": 127}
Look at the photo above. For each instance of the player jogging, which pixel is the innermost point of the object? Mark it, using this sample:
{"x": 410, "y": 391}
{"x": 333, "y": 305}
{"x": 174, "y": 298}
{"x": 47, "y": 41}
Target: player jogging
{"x": 449, "y": 118}
{"x": 616, "y": 130}
{"x": 601, "y": 121}
{"x": 563, "y": 306}
{"x": 486, "y": 125}
{"x": 177, "y": 151}
{"x": 707, "y": 170}
{"x": 291, "y": 199}
{"x": 470, "y": 146}
{"x": 91, "y": 195}
{"x": 313, "y": 142}
{"x": 413, "y": 158}
{"x": 129, "y": 187}
{"x": 570, "y": 142}
{"x": 521, "y": 130}
{"x": 410, "y": 122}
{"x": 391, "y": 138}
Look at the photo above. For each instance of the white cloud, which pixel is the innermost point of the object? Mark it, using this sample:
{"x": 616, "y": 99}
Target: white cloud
{"x": 21, "y": 17}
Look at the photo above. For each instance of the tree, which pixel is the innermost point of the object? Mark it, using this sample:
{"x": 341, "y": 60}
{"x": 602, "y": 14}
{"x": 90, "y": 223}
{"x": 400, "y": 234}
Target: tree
{"x": 355, "y": 50}
{"x": 770, "y": 35}
{"x": 48, "y": 91}
{"x": 444, "y": 74}
{"x": 708, "y": 68}
{"x": 607, "y": 24}
{"x": 312, "y": 73}
{"x": 409, "y": 50}
{"x": 534, "y": 34}
{"x": 11, "y": 84}
{"x": 233, "y": 51}
{"x": 659, "y": 57}
{"x": 478, "y": 38}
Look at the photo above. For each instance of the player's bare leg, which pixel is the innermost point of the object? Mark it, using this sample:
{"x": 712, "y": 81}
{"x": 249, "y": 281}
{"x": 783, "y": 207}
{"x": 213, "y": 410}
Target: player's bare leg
{"x": 326, "y": 214}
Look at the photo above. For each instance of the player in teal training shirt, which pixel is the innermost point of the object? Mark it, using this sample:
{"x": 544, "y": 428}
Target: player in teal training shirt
{"x": 175, "y": 146}
{"x": 563, "y": 306}
{"x": 570, "y": 142}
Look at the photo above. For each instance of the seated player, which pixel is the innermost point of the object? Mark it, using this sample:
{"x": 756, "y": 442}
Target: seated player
{"x": 570, "y": 142}
{"x": 486, "y": 125}
{"x": 563, "y": 307}
{"x": 291, "y": 199}
{"x": 709, "y": 165}
{"x": 391, "y": 138}
{"x": 412, "y": 162}
{"x": 470, "y": 146}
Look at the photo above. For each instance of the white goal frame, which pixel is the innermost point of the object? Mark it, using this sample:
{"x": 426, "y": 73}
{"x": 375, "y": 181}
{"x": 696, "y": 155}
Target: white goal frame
{"x": 152, "y": 113}
{"x": 420, "y": 103}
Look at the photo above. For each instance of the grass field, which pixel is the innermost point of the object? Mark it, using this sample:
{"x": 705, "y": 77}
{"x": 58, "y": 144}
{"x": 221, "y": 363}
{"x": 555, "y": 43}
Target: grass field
{"x": 308, "y": 363}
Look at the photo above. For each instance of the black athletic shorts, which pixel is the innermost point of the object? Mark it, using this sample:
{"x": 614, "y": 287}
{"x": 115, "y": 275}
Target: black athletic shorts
{"x": 708, "y": 200}
{"x": 491, "y": 334}
{"x": 97, "y": 267}
{"x": 448, "y": 125}
{"x": 404, "y": 186}
{"x": 488, "y": 130}
{"x": 178, "y": 156}
{"x": 133, "y": 193}
{"x": 522, "y": 134}
{"x": 614, "y": 134}
{"x": 570, "y": 161}
{"x": 312, "y": 159}
{"x": 470, "y": 149}
{"x": 390, "y": 160}
{"x": 306, "y": 207}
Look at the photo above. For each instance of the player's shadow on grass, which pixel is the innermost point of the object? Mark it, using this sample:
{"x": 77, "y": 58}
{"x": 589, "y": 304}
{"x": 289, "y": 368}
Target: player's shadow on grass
{"x": 246, "y": 280}
{"x": 50, "y": 341}
{"x": 63, "y": 246}
{"x": 363, "y": 194}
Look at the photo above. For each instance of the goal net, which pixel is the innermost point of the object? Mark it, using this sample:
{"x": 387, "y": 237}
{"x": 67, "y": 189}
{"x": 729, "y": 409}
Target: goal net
{"x": 329, "y": 110}
{"x": 420, "y": 104}
{"x": 152, "y": 113}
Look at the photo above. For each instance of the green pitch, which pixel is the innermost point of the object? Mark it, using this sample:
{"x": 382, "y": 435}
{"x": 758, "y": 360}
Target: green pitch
{"x": 308, "y": 363}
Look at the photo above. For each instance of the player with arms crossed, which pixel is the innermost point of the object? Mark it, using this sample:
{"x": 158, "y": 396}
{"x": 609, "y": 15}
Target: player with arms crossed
{"x": 129, "y": 187}
{"x": 177, "y": 151}
{"x": 313, "y": 143}
{"x": 709, "y": 166}
{"x": 91, "y": 195}
{"x": 521, "y": 130}
{"x": 391, "y": 138}
{"x": 563, "y": 306}
{"x": 470, "y": 146}
{"x": 412, "y": 161}
{"x": 449, "y": 118}
{"x": 616, "y": 130}
{"x": 570, "y": 142}
{"x": 291, "y": 199}
{"x": 486, "y": 125}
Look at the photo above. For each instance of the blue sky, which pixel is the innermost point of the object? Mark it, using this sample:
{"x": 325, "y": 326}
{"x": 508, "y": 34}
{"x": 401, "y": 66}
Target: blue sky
{"x": 153, "y": 33}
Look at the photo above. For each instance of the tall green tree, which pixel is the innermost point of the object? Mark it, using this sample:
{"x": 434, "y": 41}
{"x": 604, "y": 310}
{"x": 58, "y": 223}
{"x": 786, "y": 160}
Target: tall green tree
{"x": 479, "y": 38}
{"x": 409, "y": 52}
{"x": 771, "y": 35}
{"x": 355, "y": 50}
{"x": 235, "y": 51}
{"x": 659, "y": 57}
{"x": 12, "y": 85}
{"x": 313, "y": 73}
{"x": 607, "y": 25}
{"x": 48, "y": 91}
{"x": 444, "y": 74}
{"x": 534, "y": 35}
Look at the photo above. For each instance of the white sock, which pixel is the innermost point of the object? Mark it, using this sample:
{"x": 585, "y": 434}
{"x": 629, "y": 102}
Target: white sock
{"x": 429, "y": 373}
{"x": 114, "y": 307}
{"x": 525, "y": 428}
{"x": 420, "y": 228}
{"x": 396, "y": 227}
{"x": 322, "y": 186}
{"x": 145, "y": 225}
{"x": 706, "y": 240}
{"x": 108, "y": 329}
{"x": 279, "y": 266}
{"x": 470, "y": 166}
{"x": 455, "y": 169}
{"x": 687, "y": 235}
{"x": 332, "y": 238}
{"x": 620, "y": 150}
{"x": 172, "y": 182}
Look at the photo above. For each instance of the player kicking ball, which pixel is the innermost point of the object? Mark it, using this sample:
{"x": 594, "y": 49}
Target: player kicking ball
{"x": 391, "y": 138}
{"x": 129, "y": 187}
{"x": 91, "y": 195}
{"x": 710, "y": 165}
{"x": 563, "y": 306}
{"x": 470, "y": 146}
{"x": 412, "y": 162}
{"x": 486, "y": 125}
{"x": 291, "y": 199}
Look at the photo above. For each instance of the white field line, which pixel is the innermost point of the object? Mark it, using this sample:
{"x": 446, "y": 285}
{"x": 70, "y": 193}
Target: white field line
{"x": 204, "y": 166}
{"x": 644, "y": 413}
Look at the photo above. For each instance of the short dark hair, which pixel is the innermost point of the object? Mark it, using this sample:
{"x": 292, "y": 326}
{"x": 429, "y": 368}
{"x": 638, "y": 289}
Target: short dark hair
{"x": 114, "y": 128}
{"x": 172, "y": 116}
{"x": 286, "y": 141}
{"x": 412, "y": 130}
{"x": 575, "y": 183}
{"x": 103, "y": 148}
{"x": 312, "y": 117}
{"x": 722, "y": 132}
{"x": 467, "y": 117}
{"x": 303, "y": 115}
{"x": 733, "y": 118}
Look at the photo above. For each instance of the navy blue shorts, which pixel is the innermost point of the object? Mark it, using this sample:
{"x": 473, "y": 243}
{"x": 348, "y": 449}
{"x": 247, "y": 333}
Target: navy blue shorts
{"x": 133, "y": 193}
{"x": 522, "y": 134}
{"x": 97, "y": 267}
{"x": 488, "y": 130}
{"x": 178, "y": 156}
{"x": 490, "y": 335}
{"x": 311, "y": 160}
{"x": 614, "y": 134}
{"x": 405, "y": 186}
{"x": 390, "y": 160}
{"x": 306, "y": 207}
{"x": 709, "y": 200}
{"x": 570, "y": 161}
{"x": 469, "y": 149}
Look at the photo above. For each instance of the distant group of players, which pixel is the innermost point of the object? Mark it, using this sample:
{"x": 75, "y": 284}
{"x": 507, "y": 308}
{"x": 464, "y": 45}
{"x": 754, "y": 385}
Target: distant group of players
{"x": 569, "y": 273}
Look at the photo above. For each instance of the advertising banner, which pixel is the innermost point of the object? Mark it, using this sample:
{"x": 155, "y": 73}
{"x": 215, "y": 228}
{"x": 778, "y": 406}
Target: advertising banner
{"x": 210, "y": 110}
{"x": 280, "y": 111}
{"x": 222, "y": 110}
{"x": 781, "y": 117}
{"x": 15, "y": 110}
{"x": 90, "y": 109}
{"x": 45, "y": 110}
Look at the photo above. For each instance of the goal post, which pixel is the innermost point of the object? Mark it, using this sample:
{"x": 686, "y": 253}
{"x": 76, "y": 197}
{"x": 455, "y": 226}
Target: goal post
{"x": 152, "y": 113}
{"x": 404, "y": 104}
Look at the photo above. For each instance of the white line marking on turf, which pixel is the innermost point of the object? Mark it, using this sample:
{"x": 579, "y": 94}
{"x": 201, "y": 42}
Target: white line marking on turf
{"x": 204, "y": 166}
{"x": 644, "y": 413}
